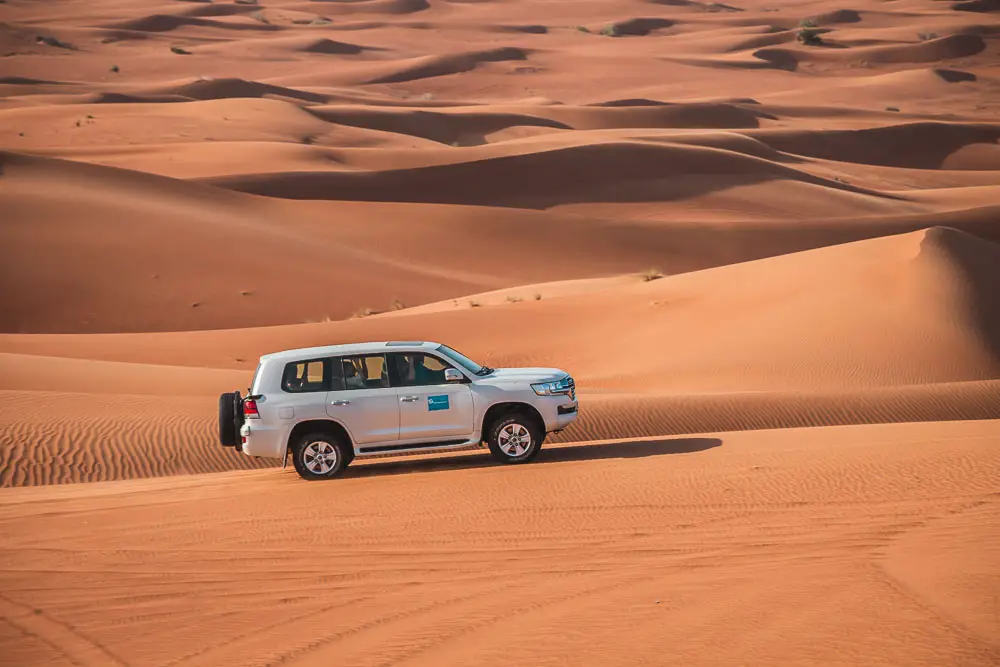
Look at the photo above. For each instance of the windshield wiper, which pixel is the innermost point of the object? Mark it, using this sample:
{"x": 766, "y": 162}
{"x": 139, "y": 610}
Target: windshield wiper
{"x": 484, "y": 370}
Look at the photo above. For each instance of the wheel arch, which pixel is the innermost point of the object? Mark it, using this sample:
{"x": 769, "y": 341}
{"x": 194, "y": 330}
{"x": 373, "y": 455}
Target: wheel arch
{"x": 330, "y": 427}
{"x": 498, "y": 411}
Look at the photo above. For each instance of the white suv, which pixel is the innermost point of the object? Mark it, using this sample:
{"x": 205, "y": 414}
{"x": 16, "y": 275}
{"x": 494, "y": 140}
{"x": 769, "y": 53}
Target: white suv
{"x": 327, "y": 405}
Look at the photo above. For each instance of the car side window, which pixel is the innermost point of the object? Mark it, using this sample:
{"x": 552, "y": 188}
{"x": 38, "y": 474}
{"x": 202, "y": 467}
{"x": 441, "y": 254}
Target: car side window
{"x": 416, "y": 369}
{"x": 306, "y": 376}
{"x": 368, "y": 371}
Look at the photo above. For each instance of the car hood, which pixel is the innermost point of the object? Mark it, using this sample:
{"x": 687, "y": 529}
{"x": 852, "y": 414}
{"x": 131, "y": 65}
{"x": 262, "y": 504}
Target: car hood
{"x": 527, "y": 374}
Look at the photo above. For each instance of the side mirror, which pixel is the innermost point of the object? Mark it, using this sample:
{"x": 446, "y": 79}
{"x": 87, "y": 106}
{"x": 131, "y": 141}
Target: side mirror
{"x": 453, "y": 375}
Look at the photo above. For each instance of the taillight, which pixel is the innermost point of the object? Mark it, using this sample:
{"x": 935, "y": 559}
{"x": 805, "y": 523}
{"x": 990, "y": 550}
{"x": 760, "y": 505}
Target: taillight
{"x": 250, "y": 409}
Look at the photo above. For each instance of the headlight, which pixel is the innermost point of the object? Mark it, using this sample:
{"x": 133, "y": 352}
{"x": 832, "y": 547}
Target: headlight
{"x": 564, "y": 386}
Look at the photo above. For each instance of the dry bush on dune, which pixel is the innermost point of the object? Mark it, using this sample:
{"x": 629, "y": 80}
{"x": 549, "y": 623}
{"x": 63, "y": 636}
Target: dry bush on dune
{"x": 809, "y": 34}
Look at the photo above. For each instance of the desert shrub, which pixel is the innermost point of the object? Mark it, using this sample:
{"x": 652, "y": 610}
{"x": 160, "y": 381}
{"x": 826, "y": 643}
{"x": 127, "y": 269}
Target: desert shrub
{"x": 809, "y": 37}
{"x": 651, "y": 274}
{"x": 362, "y": 312}
{"x": 49, "y": 40}
{"x": 179, "y": 51}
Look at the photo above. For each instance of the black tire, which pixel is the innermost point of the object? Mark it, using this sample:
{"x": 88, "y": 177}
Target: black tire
{"x": 521, "y": 424}
{"x": 230, "y": 418}
{"x": 327, "y": 445}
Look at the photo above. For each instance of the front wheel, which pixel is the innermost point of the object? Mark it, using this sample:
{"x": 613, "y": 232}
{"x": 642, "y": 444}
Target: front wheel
{"x": 319, "y": 456}
{"x": 515, "y": 439}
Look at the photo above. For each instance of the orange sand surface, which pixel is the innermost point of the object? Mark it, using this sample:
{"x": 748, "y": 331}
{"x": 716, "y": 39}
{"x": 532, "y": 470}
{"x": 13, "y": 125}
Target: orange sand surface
{"x": 772, "y": 266}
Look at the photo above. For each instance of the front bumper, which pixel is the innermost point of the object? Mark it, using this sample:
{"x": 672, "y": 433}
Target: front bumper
{"x": 558, "y": 412}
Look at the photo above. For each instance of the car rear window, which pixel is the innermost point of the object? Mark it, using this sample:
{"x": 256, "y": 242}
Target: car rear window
{"x": 253, "y": 383}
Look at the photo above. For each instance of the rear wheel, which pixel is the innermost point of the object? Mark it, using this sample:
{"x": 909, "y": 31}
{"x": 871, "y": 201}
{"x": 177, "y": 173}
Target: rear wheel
{"x": 515, "y": 439}
{"x": 320, "y": 456}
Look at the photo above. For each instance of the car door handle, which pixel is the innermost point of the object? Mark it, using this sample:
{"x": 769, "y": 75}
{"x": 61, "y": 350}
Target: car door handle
{"x": 341, "y": 402}
{"x": 409, "y": 399}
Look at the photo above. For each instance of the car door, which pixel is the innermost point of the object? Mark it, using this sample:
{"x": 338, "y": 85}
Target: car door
{"x": 430, "y": 409}
{"x": 363, "y": 400}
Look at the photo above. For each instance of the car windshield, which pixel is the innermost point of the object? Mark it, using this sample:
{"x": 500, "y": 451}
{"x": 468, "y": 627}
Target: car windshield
{"x": 464, "y": 361}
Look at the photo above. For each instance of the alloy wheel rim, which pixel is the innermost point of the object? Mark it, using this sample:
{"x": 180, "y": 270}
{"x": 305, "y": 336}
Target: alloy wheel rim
{"x": 320, "y": 457}
{"x": 514, "y": 440}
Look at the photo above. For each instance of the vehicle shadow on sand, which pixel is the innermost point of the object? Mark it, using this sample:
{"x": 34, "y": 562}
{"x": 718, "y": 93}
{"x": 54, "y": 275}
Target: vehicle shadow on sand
{"x": 554, "y": 453}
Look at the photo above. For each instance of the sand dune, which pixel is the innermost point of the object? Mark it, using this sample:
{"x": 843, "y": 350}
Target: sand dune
{"x": 137, "y": 275}
{"x": 474, "y": 124}
{"x": 170, "y": 22}
{"x": 620, "y": 171}
{"x": 879, "y": 312}
{"x": 936, "y": 50}
{"x": 640, "y": 26}
{"x": 335, "y": 7}
{"x": 101, "y": 203}
{"x": 837, "y": 16}
{"x": 976, "y": 6}
{"x": 216, "y": 89}
{"x": 58, "y": 437}
{"x": 441, "y": 126}
{"x": 202, "y": 9}
{"x": 88, "y": 376}
{"x": 908, "y": 331}
{"x": 91, "y": 279}
{"x": 283, "y": 46}
{"x": 433, "y": 66}
{"x": 909, "y": 145}
{"x": 770, "y": 265}
{"x": 697, "y": 6}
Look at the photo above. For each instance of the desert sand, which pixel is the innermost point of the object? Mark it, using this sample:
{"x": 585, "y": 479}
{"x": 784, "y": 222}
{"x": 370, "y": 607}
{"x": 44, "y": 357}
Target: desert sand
{"x": 772, "y": 266}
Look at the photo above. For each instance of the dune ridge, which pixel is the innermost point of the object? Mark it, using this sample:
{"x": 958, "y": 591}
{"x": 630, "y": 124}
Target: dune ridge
{"x": 515, "y": 180}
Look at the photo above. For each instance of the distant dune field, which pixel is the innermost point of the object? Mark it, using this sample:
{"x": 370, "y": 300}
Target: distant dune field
{"x": 763, "y": 237}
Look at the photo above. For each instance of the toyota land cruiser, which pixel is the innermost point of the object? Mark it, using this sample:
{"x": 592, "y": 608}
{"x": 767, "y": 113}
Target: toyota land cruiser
{"x": 328, "y": 405}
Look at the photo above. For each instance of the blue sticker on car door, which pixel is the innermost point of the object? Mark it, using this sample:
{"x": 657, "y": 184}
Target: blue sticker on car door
{"x": 439, "y": 402}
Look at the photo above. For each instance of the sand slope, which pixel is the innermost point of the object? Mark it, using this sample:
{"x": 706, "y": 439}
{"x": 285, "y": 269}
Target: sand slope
{"x": 826, "y": 545}
{"x": 901, "y": 309}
